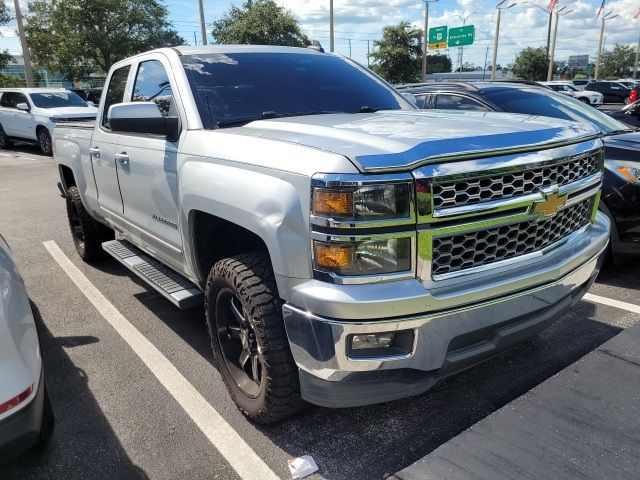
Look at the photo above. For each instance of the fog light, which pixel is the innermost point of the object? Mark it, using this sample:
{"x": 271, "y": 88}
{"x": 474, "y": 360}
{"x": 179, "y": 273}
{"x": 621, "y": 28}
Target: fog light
{"x": 375, "y": 340}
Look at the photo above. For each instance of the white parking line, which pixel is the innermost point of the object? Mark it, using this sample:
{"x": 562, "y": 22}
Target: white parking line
{"x": 246, "y": 463}
{"x": 589, "y": 297}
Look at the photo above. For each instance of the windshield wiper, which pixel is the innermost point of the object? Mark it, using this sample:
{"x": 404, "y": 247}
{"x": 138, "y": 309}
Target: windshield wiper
{"x": 368, "y": 109}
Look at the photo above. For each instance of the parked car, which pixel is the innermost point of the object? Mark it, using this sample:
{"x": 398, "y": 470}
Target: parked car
{"x": 614, "y": 92}
{"x": 26, "y": 416}
{"x": 586, "y": 96}
{"x": 580, "y": 83}
{"x": 621, "y": 186}
{"x": 89, "y": 95}
{"x": 629, "y": 83}
{"x": 351, "y": 249}
{"x": 30, "y": 114}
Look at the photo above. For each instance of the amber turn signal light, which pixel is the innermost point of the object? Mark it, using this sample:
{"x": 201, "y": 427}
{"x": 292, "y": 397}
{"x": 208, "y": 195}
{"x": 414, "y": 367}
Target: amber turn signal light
{"x": 333, "y": 256}
{"x": 332, "y": 202}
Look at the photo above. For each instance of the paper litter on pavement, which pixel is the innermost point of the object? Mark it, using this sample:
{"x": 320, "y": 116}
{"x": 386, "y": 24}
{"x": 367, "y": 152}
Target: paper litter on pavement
{"x": 302, "y": 466}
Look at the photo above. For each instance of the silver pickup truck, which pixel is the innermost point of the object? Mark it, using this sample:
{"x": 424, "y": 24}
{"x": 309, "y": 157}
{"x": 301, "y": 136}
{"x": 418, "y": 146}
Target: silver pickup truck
{"x": 348, "y": 248}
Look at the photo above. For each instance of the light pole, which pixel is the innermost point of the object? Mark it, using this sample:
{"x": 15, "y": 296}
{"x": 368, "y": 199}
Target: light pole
{"x": 635, "y": 64}
{"x": 500, "y": 6}
{"x": 547, "y": 12}
{"x": 559, "y": 13}
{"x": 331, "y": 44}
{"x": 28, "y": 71}
{"x": 607, "y": 16}
{"x": 464, "y": 22}
{"x": 203, "y": 27}
{"x": 425, "y": 37}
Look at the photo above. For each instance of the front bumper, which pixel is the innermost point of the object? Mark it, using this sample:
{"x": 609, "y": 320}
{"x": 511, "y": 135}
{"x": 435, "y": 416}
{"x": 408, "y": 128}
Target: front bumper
{"x": 20, "y": 431}
{"x": 445, "y": 341}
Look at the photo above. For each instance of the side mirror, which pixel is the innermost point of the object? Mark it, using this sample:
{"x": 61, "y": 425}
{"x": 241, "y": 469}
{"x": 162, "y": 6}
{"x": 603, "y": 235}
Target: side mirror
{"x": 23, "y": 106}
{"x": 410, "y": 97}
{"x": 142, "y": 117}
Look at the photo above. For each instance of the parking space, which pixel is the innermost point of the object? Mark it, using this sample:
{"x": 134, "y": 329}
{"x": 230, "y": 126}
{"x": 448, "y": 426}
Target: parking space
{"x": 136, "y": 395}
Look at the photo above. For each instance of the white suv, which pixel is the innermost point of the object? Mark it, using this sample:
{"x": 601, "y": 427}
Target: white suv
{"x": 30, "y": 114}
{"x": 568, "y": 88}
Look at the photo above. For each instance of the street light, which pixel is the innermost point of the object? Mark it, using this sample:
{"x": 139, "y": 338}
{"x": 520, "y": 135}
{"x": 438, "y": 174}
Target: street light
{"x": 549, "y": 23}
{"x": 464, "y": 22}
{"x": 607, "y": 16}
{"x": 500, "y": 6}
{"x": 559, "y": 13}
{"x": 425, "y": 41}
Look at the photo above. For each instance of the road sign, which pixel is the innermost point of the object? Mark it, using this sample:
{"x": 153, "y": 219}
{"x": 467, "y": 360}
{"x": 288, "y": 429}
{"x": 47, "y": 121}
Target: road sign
{"x": 461, "y": 36}
{"x": 437, "y": 38}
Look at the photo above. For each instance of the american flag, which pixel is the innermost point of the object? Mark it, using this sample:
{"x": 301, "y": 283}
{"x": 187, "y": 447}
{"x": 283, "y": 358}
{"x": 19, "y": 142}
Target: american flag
{"x": 637, "y": 15}
{"x": 552, "y": 5}
{"x": 600, "y": 8}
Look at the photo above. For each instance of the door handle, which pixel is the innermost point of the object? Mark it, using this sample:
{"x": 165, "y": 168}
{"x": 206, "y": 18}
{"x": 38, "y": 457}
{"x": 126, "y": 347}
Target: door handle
{"x": 123, "y": 158}
{"x": 94, "y": 152}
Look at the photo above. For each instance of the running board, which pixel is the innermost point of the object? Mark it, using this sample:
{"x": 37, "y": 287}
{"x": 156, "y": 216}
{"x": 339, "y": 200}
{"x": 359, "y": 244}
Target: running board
{"x": 170, "y": 284}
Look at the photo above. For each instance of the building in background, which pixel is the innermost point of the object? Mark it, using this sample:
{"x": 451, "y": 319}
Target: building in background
{"x": 474, "y": 76}
{"x": 43, "y": 78}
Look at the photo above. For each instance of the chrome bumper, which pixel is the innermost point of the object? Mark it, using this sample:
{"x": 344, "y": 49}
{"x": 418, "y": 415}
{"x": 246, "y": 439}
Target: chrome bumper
{"x": 471, "y": 327}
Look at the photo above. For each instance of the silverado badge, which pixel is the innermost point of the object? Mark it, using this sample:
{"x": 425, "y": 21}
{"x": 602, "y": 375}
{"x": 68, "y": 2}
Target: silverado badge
{"x": 553, "y": 201}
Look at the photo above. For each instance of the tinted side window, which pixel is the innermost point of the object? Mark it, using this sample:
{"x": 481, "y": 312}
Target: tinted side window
{"x": 152, "y": 85}
{"x": 455, "y": 102}
{"x": 115, "y": 91}
{"x": 422, "y": 101}
{"x": 11, "y": 99}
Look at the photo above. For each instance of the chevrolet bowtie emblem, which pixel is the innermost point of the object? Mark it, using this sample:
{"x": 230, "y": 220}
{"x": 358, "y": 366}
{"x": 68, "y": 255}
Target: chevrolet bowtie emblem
{"x": 550, "y": 205}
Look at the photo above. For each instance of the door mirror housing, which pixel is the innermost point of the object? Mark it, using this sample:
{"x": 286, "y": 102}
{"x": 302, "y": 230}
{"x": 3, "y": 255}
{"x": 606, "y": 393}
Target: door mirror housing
{"x": 23, "y": 106}
{"x": 142, "y": 117}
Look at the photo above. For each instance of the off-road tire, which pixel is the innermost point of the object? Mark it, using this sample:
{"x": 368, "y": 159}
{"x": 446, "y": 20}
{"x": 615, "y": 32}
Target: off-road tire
{"x": 5, "y": 141}
{"x": 250, "y": 278}
{"x": 44, "y": 142}
{"x": 89, "y": 244}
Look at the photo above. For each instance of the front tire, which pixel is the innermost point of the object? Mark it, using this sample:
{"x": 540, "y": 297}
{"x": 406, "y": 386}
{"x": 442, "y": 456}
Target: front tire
{"x": 87, "y": 234}
{"x": 248, "y": 338}
{"x": 5, "y": 141}
{"x": 44, "y": 141}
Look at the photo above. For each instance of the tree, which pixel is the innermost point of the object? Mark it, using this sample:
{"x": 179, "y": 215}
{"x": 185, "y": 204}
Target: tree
{"x": 78, "y": 38}
{"x": 397, "y": 57}
{"x": 5, "y": 18}
{"x": 438, "y": 63}
{"x": 532, "y": 64}
{"x": 617, "y": 62}
{"x": 260, "y": 22}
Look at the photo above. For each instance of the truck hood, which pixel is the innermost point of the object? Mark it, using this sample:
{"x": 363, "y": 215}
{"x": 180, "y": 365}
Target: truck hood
{"x": 400, "y": 140}
{"x": 73, "y": 112}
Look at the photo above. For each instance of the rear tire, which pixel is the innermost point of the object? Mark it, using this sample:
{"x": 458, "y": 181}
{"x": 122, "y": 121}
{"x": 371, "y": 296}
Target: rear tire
{"x": 44, "y": 141}
{"x": 244, "y": 318}
{"x": 87, "y": 234}
{"x": 5, "y": 141}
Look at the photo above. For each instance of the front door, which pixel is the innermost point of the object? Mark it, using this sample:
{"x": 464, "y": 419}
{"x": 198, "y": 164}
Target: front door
{"x": 19, "y": 123}
{"x": 148, "y": 169}
{"x": 103, "y": 150}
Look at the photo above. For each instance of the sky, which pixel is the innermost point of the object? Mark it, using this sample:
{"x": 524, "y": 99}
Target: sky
{"x": 359, "y": 23}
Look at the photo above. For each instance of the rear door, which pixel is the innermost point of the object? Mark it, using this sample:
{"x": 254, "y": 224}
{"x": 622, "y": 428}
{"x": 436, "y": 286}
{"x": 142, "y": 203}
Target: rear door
{"x": 103, "y": 149}
{"x": 148, "y": 166}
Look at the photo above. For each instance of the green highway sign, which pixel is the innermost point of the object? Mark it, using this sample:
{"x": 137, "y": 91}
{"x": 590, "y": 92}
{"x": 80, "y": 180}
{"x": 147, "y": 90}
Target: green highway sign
{"x": 437, "y": 38}
{"x": 461, "y": 36}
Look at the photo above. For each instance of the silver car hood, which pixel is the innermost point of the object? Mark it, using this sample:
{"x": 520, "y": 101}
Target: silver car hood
{"x": 401, "y": 140}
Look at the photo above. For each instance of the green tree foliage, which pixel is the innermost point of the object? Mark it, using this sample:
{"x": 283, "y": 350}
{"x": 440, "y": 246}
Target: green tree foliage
{"x": 10, "y": 81}
{"x": 260, "y": 22}
{"x": 78, "y": 38}
{"x": 532, "y": 64}
{"x": 438, "y": 63}
{"x": 397, "y": 57}
{"x": 617, "y": 62}
{"x": 5, "y": 18}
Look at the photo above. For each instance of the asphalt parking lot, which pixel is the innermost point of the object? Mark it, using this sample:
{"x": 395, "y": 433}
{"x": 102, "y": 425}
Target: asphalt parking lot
{"x": 117, "y": 419}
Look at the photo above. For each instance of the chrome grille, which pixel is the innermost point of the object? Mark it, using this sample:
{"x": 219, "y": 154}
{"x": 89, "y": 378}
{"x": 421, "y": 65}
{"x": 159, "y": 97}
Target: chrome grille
{"x": 474, "y": 249}
{"x": 504, "y": 185}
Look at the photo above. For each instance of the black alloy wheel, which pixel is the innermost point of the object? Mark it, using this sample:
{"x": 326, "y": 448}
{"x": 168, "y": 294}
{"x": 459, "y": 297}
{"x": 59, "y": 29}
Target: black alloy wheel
{"x": 238, "y": 343}
{"x": 44, "y": 140}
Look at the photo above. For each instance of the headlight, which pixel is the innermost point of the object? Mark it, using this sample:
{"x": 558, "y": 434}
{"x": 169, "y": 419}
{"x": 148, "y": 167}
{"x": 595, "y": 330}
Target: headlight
{"x": 370, "y": 256}
{"x": 627, "y": 170}
{"x": 363, "y": 202}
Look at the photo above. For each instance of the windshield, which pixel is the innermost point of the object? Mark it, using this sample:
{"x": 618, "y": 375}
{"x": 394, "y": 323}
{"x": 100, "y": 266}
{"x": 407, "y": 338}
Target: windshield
{"x": 57, "y": 99}
{"x": 554, "y": 105}
{"x": 235, "y": 87}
